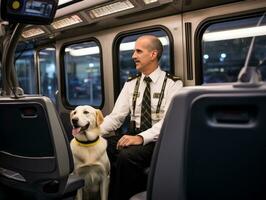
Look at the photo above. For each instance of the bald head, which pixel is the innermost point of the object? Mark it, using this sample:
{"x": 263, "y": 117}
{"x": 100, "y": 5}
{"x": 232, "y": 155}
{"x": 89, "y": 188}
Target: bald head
{"x": 153, "y": 43}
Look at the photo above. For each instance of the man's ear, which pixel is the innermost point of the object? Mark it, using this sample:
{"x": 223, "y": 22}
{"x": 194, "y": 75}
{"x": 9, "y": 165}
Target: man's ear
{"x": 99, "y": 117}
{"x": 154, "y": 54}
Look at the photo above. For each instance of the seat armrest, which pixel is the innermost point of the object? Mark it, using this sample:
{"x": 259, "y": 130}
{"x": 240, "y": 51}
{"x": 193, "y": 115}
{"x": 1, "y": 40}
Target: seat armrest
{"x": 74, "y": 183}
{"x": 139, "y": 196}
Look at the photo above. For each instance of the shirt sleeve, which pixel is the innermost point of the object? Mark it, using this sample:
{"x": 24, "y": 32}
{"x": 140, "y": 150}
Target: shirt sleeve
{"x": 115, "y": 119}
{"x": 152, "y": 134}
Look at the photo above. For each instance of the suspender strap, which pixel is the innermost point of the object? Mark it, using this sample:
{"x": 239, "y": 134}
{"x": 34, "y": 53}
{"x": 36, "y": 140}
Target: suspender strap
{"x": 161, "y": 95}
{"x": 135, "y": 94}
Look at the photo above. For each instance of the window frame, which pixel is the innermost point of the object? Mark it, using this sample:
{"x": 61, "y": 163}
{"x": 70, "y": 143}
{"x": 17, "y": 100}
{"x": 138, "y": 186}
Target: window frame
{"x": 115, "y": 49}
{"x": 63, "y": 92}
{"x": 201, "y": 28}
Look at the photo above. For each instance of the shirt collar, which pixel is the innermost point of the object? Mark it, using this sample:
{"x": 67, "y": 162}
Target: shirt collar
{"x": 154, "y": 75}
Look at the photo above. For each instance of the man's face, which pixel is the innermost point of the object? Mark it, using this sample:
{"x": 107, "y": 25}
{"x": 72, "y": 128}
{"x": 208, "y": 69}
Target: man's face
{"x": 142, "y": 56}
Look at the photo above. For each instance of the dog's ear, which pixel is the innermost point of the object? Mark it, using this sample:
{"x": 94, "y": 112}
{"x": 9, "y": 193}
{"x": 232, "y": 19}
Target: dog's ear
{"x": 71, "y": 113}
{"x": 99, "y": 117}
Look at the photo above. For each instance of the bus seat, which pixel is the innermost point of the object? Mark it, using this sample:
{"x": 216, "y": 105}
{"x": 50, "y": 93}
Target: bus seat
{"x": 35, "y": 156}
{"x": 212, "y": 145}
{"x": 64, "y": 117}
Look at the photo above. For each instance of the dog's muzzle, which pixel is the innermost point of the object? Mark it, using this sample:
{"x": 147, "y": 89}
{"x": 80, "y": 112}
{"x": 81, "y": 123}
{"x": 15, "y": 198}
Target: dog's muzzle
{"x": 75, "y": 122}
{"x": 79, "y": 129}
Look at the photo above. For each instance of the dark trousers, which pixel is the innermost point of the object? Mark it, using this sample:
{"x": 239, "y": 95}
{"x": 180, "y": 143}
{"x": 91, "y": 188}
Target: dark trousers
{"x": 128, "y": 166}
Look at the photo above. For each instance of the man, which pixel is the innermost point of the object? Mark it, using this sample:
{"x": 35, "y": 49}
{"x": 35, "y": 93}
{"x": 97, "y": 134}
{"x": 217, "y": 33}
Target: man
{"x": 146, "y": 99}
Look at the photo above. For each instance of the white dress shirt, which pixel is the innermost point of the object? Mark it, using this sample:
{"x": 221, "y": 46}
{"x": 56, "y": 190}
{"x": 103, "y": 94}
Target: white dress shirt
{"x": 124, "y": 104}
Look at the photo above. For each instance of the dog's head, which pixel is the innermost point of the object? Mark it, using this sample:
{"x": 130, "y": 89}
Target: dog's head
{"x": 85, "y": 121}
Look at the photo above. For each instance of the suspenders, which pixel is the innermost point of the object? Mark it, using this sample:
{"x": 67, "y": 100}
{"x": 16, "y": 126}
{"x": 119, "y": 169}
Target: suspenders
{"x": 161, "y": 95}
{"x": 135, "y": 95}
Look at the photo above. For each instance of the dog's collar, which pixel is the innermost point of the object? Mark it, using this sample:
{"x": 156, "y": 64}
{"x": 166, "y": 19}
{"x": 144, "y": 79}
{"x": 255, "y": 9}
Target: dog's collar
{"x": 88, "y": 143}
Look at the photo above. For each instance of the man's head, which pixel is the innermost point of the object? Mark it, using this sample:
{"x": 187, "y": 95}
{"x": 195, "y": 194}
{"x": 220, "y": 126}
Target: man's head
{"x": 147, "y": 53}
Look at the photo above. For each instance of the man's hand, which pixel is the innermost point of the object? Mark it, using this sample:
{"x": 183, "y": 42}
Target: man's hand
{"x": 128, "y": 140}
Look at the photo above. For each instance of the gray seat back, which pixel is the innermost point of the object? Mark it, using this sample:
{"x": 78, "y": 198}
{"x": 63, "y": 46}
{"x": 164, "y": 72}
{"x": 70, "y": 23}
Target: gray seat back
{"x": 34, "y": 150}
{"x": 212, "y": 145}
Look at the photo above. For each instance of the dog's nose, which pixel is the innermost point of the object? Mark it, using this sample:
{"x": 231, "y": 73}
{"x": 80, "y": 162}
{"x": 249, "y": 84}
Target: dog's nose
{"x": 75, "y": 122}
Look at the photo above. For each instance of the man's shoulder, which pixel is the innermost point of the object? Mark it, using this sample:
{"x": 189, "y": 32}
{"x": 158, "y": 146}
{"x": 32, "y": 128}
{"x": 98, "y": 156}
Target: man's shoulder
{"x": 173, "y": 77}
{"x": 130, "y": 78}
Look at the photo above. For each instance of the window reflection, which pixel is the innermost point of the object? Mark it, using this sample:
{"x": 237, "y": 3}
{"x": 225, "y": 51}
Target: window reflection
{"x": 48, "y": 76}
{"x": 26, "y": 71}
{"x": 225, "y": 46}
{"x": 83, "y": 74}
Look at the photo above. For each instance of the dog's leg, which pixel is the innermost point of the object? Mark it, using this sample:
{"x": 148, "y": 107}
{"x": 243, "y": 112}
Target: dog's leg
{"x": 104, "y": 187}
{"x": 93, "y": 179}
{"x": 79, "y": 195}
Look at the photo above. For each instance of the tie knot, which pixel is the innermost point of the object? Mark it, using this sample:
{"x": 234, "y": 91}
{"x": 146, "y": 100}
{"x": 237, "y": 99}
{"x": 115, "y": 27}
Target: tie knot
{"x": 147, "y": 79}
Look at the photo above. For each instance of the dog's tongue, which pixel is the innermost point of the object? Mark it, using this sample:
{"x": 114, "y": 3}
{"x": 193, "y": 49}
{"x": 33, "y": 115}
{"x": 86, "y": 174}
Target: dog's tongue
{"x": 75, "y": 131}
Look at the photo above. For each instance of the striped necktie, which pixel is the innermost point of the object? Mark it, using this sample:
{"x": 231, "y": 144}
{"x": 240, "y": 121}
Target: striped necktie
{"x": 145, "y": 120}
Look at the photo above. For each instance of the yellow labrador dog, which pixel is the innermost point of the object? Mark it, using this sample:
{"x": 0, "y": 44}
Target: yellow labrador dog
{"x": 89, "y": 152}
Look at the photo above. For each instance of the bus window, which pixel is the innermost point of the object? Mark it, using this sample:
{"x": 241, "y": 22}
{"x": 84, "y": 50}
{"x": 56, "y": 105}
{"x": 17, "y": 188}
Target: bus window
{"x": 126, "y": 47}
{"x": 225, "y": 47}
{"x": 83, "y": 77}
{"x": 26, "y": 71}
{"x": 48, "y": 76}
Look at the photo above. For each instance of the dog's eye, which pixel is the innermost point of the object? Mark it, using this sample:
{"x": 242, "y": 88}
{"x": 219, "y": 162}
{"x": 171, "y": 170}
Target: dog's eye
{"x": 85, "y": 112}
{"x": 74, "y": 112}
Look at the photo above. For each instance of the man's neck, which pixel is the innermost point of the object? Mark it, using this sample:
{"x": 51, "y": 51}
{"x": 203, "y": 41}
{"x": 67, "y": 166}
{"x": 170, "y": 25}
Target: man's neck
{"x": 149, "y": 70}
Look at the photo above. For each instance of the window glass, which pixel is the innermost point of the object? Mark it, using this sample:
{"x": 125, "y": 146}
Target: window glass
{"x": 48, "y": 76}
{"x": 225, "y": 47}
{"x": 83, "y": 74}
{"x": 127, "y": 66}
{"x": 26, "y": 71}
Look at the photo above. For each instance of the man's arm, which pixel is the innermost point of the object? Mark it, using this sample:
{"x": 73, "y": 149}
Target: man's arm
{"x": 121, "y": 109}
{"x": 152, "y": 134}
{"x": 128, "y": 140}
